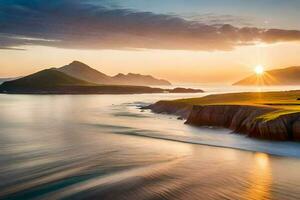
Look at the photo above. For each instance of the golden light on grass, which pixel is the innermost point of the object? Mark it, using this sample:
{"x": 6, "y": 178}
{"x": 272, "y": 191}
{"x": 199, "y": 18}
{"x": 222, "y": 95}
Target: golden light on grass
{"x": 259, "y": 70}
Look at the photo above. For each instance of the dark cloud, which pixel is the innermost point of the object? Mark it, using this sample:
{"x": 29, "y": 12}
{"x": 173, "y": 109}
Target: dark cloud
{"x": 84, "y": 25}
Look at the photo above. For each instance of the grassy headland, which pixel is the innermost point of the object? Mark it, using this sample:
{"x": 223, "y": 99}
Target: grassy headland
{"x": 284, "y": 102}
{"x": 269, "y": 115}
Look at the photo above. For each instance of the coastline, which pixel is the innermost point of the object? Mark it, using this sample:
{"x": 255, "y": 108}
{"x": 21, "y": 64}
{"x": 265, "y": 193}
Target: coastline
{"x": 97, "y": 89}
{"x": 270, "y": 120}
{"x": 97, "y": 136}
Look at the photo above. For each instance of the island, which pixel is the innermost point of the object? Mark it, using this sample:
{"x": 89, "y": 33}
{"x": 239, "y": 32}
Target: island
{"x": 265, "y": 115}
{"x": 54, "y": 81}
{"x": 84, "y": 72}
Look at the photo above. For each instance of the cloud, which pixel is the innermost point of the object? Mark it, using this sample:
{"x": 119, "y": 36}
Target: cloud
{"x": 79, "y": 24}
{"x": 215, "y": 19}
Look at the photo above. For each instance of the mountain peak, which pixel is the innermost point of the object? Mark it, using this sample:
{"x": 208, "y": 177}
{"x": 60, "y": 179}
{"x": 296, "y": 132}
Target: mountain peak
{"x": 76, "y": 62}
{"x": 77, "y": 65}
{"x": 84, "y": 72}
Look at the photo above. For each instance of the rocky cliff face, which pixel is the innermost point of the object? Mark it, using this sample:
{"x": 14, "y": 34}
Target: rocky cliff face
{"x": 168, "y": 107}
{"x": 242, "y": 119}
{"x": 246, "y": 120}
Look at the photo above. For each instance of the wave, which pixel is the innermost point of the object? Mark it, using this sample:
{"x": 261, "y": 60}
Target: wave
{"x": 103, "y": 186}
{"x": 287, "y": 149}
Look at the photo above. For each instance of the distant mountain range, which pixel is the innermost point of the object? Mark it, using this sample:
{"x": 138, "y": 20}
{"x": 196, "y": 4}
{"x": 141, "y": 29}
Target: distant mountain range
{"x": 84, "y": 72}
{"x": 52, "y": 81}
{"x": 78, "y": 78}
{"x": 285, "y": 76}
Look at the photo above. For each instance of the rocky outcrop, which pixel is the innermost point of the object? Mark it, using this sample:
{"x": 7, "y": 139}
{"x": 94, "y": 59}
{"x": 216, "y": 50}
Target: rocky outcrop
{"x": 169, "y": 107}
{"x": 244, "y": 119}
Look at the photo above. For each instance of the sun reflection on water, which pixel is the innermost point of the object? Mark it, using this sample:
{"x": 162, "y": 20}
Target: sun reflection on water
{"x": 260, "y": 179}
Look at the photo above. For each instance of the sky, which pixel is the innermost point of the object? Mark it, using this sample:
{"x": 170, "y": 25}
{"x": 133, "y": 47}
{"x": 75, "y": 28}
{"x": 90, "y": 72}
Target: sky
{"x": 184, "y": 41}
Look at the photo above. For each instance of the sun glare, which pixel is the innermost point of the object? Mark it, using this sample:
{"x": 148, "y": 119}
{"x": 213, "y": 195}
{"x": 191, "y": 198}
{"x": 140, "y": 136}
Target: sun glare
{"x": 259, "y": 69}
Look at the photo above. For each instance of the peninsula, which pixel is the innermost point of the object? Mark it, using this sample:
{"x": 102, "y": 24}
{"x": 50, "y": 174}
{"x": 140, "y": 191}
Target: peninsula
{"x": 267, "y": 115}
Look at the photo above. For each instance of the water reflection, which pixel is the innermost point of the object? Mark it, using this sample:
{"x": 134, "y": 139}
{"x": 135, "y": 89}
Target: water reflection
{"x": 103, "y": 147}
{"x": 260, "y": 178}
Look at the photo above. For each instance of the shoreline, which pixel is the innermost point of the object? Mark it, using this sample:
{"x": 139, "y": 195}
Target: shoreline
{"x": 101, "y": 89}
{"x": 209, "y": 145}
{"x": 269, "y": 120}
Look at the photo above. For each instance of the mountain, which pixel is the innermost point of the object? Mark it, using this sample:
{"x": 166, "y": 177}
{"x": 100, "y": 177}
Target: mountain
{"x": 84, "y": 72}
{"x": 52, "y": 81}
{"x": 285, "y": 76}
{"x": 138, "y": 79}
{"x": 2, "y": 80}
{"x": 59, "y": 81}
{"x": 43, "y": 79}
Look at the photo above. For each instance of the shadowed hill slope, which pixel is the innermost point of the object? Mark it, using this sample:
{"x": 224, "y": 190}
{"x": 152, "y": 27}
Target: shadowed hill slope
{"x": 84, "y": 72}
{"x": 2, "y": 80}
{"x": 45, "y": 78}
{"x": 138, "y": 79}
{"x": 286, "y": 76}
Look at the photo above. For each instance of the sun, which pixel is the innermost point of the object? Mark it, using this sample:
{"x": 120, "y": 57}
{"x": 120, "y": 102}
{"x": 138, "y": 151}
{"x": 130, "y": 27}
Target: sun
{"x": 259, "y": 70}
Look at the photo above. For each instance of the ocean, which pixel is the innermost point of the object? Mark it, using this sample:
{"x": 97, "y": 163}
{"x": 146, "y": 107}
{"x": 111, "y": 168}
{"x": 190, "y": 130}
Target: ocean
{"x": 106, "y": 147}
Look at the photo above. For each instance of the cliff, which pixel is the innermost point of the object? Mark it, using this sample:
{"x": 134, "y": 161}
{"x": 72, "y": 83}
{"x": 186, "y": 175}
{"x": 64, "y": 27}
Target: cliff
{"x": 169, "y": 107}
{"x": 248, "y": 120}
{"x": 265, "y": 120}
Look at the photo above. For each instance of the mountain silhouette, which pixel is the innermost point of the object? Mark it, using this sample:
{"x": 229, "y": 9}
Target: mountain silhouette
{"x": 45, "y": 78}
{"x": 84, "y": 72}
{"x": 285, "y": 76}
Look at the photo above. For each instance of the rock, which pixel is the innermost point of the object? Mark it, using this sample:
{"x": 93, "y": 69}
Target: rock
{"x": 296, "y": 130}
{"x": 243, "y": 119}
{"x": 246, "y": 120}
{"x": 169, "y": 107}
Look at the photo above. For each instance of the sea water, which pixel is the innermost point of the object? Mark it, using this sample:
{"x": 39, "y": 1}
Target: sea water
{"x": 105, "y": 147}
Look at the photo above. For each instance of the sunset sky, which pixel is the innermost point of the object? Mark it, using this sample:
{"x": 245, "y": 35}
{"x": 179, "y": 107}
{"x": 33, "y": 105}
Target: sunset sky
{"x": 216, "y": 41}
